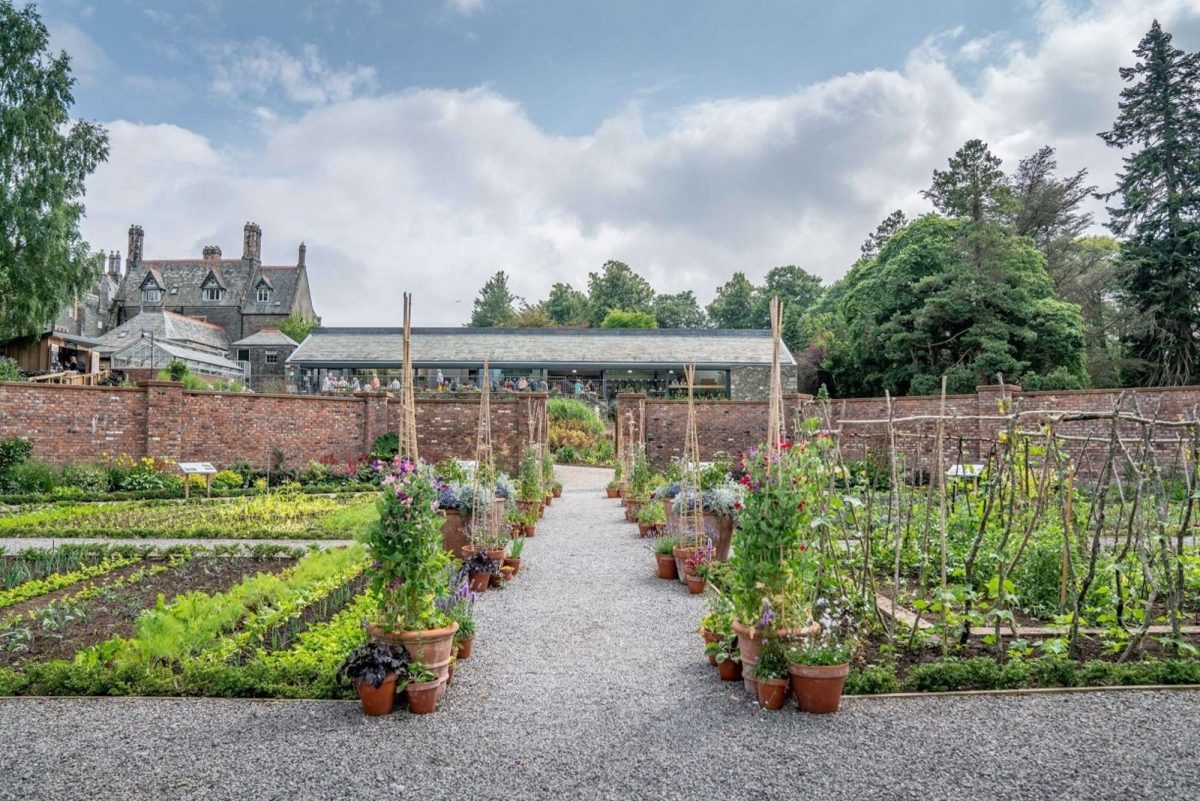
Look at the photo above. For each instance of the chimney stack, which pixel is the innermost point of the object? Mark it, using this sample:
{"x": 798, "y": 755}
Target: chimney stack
{"x": 212, "y": 252}
{"x": 136, "y": 238}
{"x": 303, "y": 251}
{"x": 114, "y": 264}
{"x": 252, "y": 242}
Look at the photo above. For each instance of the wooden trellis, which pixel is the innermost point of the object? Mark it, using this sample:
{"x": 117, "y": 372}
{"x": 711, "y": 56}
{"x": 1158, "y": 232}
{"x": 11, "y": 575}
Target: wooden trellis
{"x": 694, "y": 521}
{"x": 484, "y": 522}
{"x": 408, "y": 401}
{"x": 775, "y": 426}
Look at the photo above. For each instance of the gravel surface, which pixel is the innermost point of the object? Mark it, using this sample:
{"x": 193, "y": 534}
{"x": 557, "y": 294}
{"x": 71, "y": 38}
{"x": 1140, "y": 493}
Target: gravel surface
{"x": 588, "y": 682}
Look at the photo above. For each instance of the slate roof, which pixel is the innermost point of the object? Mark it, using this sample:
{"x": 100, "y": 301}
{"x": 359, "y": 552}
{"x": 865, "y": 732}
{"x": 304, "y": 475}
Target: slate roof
{"x": 268, "y": 337}
{"x": 168, "y": 327}
{"x": 283, "y": 281}
{"x": 182, "y": 280}
{"x": 538, "y": 347}
{"x": 138, "y": 355}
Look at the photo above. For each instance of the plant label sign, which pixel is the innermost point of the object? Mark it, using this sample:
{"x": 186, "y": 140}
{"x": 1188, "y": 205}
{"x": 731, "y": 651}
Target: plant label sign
{"x": 190, "y": 469}
{"x": 197, "y": 467}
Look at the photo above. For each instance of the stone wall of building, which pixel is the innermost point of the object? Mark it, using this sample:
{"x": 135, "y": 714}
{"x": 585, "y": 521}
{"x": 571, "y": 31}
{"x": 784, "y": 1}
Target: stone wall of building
{"x": 70, "y": 424}
{"x": 754, "y": 383}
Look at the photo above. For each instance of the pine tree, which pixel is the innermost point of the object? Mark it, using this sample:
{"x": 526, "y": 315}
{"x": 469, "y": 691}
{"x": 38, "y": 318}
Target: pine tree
{"x": 1159, "y": 214}
{"x": 494, "y": 306}
{"x": 733, "y": 307}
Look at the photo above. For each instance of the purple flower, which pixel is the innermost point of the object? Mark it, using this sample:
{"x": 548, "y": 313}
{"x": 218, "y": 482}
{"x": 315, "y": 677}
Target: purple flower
{"x": 767, "y": 616}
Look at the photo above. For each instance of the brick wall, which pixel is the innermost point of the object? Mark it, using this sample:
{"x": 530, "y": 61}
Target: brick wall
{"x": 734, "y": 426}
{"x": 69, "y": 424}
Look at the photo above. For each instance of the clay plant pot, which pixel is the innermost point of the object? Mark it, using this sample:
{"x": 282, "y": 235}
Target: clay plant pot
{"x": 710, "y": 637}
{"x": 517, "y": 530}
{"x": 729, "y": 670}
{"x": 548, "y": 500}
{"x": 506, "y": 574}
{"x": 454, "y": 534}
{"x": 450, "y": 672}
{"x": 682, "y": 554}
{"x": 621, "y": 493}
{"x": 515, "y": 564}
{"x": 530, "y": 529}
{"x": 666, "y": 565}
{"x": 631, "y": 510}
{"x": 723, "y": 526}
{"x": 480, "y": 581}
{"x": 430, "y": 647}
{"x": 646, "y": 529}
{"x": 772, "y": 693}
{"x": 541, "y": 511}
{"x": 527, "y": 506}
{"x": 465, "y": 647}
{"x": 497, "y": 554}
{"x": 695, "y": 584}
{"x": 612, "y": 492}
{"x": 818, "y": 688}
{"x": 423, "y": 697}
{"x": 379, "y": 700}
{"x": 557, "y": 492}
{"x": 750, "y": 646}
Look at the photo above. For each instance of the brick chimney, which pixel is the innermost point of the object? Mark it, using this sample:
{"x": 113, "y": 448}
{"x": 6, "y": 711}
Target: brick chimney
{"x": 212, "y": 252}
{"x": 114, "y": 264}
{"x": 300, "y": 259}
{"x": 136, "y": 237}
{"x": 252, "y": 242}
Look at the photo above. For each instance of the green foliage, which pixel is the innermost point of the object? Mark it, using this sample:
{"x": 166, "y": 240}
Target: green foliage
{"x": 529, "y": 483}
{"x": 617, "y": 287}
{"x": 494, "y": 306}
{"x": 734, "y": 305}
{"x": 566, "y": 306}
{"x": 9, "y": 370}
{"x": 38, "y": 587}
{"x": 30, "y": 476}
{"x": 47, "y": 157}
{"x": 177, "y": 370}
{"x": 652, "y": 513}
{"x": 619, "y": 318}
{"x": 680, "y": 310}
{"x": 297, "y": 328}
{"x": 386, "y": 446}
{"x": 1159, "y": 210}
{"x": 972, "y": 187}
{"x": 85, "y": 477}
{"x": 14, "y": 451}
{"x": 228, "y": 479}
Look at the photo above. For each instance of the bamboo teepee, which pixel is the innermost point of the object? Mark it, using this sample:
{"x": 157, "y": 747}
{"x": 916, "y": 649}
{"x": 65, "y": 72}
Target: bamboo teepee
{"x": 775, "y": 424}
{"x": 693, "y": 522}
{"x": 484, "y": 522}
{"x": 408, "y": 398}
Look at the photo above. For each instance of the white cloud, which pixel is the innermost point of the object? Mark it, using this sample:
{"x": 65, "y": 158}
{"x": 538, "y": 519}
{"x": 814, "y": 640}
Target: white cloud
{"x": 464, "y": 7}
{"x": 262, "y": 68}
{"x": 431, "y": 191}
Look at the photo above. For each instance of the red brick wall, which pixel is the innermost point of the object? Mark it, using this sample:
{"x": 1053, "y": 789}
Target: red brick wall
{"x": 69, "y": 424}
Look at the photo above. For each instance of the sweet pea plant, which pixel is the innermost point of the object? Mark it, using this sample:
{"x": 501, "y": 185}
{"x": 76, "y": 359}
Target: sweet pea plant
{"x": 409, "y": 564}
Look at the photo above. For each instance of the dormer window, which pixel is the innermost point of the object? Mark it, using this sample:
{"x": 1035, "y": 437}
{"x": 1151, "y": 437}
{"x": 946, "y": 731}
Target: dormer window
{"x": 213, "y": 293}
{"x": 151, "y": 294}
{"x": 264, "y": 294}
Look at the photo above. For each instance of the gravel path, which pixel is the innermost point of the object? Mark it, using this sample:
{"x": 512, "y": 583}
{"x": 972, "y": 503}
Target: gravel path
{"x": 588, "y": 682}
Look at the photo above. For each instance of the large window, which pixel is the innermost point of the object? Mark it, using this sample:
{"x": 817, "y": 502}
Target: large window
{"x": 213, "y": 293}
{"x": 151, "y": 295}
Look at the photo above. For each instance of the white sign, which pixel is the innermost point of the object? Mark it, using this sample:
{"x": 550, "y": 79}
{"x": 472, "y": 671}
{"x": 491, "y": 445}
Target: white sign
{"x": 197, "y": 467}
{"x": 965, "y": 471}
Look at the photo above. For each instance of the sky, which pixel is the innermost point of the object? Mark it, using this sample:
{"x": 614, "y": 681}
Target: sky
{"x": 422, "y": 145}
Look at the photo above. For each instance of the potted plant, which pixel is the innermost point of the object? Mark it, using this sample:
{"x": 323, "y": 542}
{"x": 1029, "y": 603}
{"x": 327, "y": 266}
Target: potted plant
{"x": 513, "y": 519}
{"x": 771, "y": 675}
{"x": 729, "y": 660}
{"x": 479, "y": 566}
{"x": 717, "y": 623}
{"x": 556, "y": 488}
{"x": 548, "y": 495}
{"x": 719, "y": 505}
{"x": 614, "y": 487}
{"x": 529, "y": 523}
{"x": 422, "y": 688}
{"x": 374, "y": 667}
{"x": 641, "y": 479}
{"x": 664, "y": 554}
{"x": 409, "y": 568}
{"x": 651, "y": 517}
{"x": 820, "y": 660}
{"x": 695, "y": 565}
{"x": 528, "y": 484}
{"x": 459, "y": 606}
{"x": 513, "y": 559}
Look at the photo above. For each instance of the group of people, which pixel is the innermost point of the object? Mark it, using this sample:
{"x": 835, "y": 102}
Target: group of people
{"x": 333, "y": 384}
{"x": 340, "y": 385}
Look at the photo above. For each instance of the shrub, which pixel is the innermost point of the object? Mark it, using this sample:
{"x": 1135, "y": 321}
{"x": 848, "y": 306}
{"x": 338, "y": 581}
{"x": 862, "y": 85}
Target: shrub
{"x": 228, "y": 479}
{"x": 9, "y": 370}
{"x": 85, "y": 477}
{"x": 30, "y": 476}
{"x": 314, "y": 473}
{"x": 872, "y": 680}
{"x": 13, "y": 452}
{"x": 385, "y": 447}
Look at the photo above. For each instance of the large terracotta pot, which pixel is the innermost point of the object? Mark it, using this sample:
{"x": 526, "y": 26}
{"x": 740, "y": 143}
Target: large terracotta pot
{"x": 750, "y": 645}
{"x": 431, "y": 647}
{"x": 818, "y": 688}
{"x": 666, "y": 566}
{"x": 379, "y": 700}
{"x": 723, "y": 526}
{"x": 454, "y": 533}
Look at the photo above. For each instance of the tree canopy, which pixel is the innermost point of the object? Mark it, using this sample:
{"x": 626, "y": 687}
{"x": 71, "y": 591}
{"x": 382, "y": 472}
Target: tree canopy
{"x": 45, "y": 157}
{"x": 620, "y": 318}
{"x": 617, "y": 287}
{"x": 494, "y": 305}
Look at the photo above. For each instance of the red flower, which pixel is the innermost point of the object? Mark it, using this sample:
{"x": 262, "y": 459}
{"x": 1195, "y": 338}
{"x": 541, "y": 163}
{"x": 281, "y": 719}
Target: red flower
{"x": 803, "y": 547}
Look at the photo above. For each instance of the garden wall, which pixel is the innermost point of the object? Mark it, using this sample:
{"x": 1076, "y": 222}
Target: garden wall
{"x": 68, "y": 424}
{"x": 970, "y": 431}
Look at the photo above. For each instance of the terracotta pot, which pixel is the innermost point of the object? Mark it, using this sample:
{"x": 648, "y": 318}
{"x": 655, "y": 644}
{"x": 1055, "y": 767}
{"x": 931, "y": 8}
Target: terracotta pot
{"x": 530, "y": 529}
{"x": 723, "y": 526}
{"x": 621, "y": 492}
{"x": 465, "y": 646}
{"x": 515, "y": 564}
{"x": 423, "y": 697}
{"x": 818, "y": 688}
{"x": 772, "y": 693}
{"x": 631, "y": 510}
{"x": 506, "y": 574}
{"x": 527, "y": 506}
{"x": 497, "y": 554}
{"x": 557, "y": 492}
{"x": 516, "y": 530}
{"x": 450, "y": 673}
{"x": 548, "y": 500}
{"x": 710, "y": 637}
{"x": 682, "y": 554}
{"x": 379, "y": 700}
{"x": 454, "y": 535}
{"x": 729, "y": 670}
{"x": 695, "y": 585}
{"x": 666, "y": 565}
{"x": 750, "y": 645}
{"x": 541, "y": 511}
{"x": 645, "y": 529}
{"x": 430, "y": 647}
{"x": 612, "y": 492}
{"x": 480, "y": 581}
